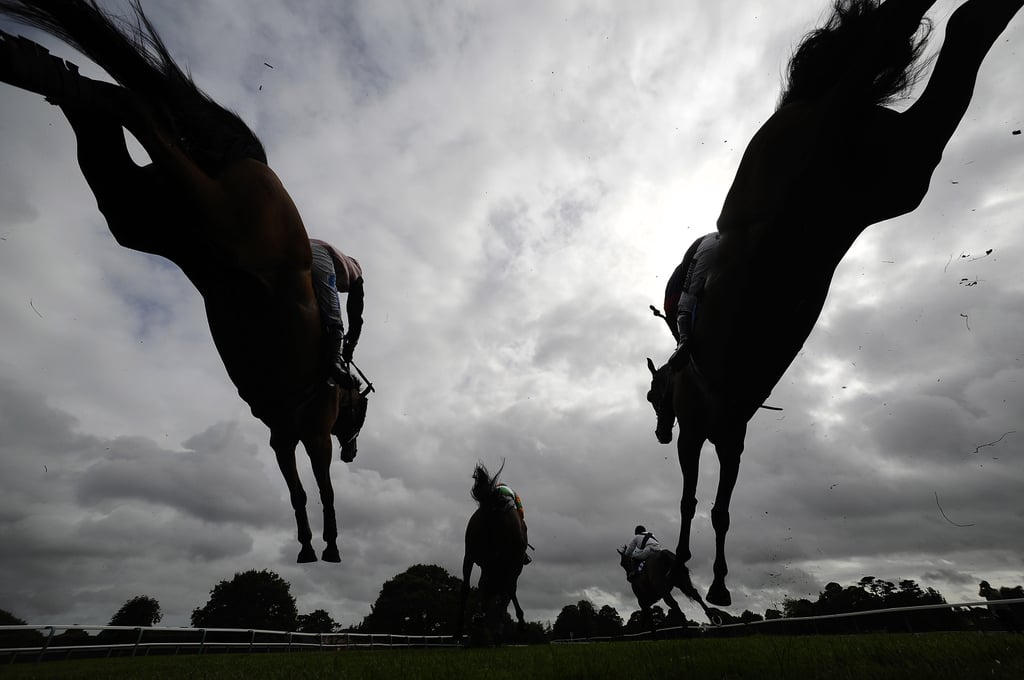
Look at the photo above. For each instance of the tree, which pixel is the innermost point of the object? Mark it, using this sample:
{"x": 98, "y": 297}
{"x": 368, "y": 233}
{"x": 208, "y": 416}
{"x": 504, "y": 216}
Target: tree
{"x": 870, "y": 593}
{"x": 636, "y": 623}
{"x": 422, "y": 600}
{"x": 750, "y": 617}
{"x": 797, "y": 608}
{"x": 578, "y": 620}
{"x": 608, "y": 622}
{"x": 141, "y": 610}
{"x": 17, "y": 638}
{"x": 252, "y": 599}
{"x": 317, "y": 621}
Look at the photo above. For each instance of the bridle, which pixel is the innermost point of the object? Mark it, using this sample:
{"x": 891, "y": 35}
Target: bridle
{"x": 350, "y": 400}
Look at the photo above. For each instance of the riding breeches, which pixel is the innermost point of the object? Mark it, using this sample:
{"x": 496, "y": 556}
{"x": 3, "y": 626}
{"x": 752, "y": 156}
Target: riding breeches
{"x": 325, "y": 287}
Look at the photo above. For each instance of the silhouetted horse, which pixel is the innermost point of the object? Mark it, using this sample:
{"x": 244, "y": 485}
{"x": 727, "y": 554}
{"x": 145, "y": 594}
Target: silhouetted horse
{"x": 209, "y": 203}
{"x": 1009, "y": 615}
{"x": 496, "y": 541}
{"x": 831, "y": 161}
{"x": 653, "y": 583}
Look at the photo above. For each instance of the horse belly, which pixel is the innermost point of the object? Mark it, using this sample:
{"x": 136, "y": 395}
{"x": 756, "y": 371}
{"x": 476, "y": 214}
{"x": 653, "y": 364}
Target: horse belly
{"x": 270, "y": 349}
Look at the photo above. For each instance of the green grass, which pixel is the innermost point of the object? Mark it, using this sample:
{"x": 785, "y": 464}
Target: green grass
{"x": 928, "y": 656}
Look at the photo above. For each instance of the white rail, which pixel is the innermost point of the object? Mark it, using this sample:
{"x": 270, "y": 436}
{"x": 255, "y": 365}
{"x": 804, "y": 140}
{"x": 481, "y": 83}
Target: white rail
{"x": 704, "y": 628}
{"x": 201, "y": 640}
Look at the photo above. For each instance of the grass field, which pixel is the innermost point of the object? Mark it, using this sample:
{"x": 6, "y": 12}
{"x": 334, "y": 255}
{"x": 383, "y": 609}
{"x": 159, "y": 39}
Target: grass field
{"x": 929, "y": 656}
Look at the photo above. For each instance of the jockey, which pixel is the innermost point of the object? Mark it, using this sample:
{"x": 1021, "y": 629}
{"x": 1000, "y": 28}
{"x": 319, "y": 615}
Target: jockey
{"x": 333, "y": 273}
{"x": 684, "y": 291}
{"x": 513, "y": 500}
{"x": 643, "y": 546}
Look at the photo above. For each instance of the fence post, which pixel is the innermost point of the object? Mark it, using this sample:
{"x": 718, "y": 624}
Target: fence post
{"x": 138, "y": 639}
{"x": 46, "y": 644}
{"x": 252, "y": 638}
{"x": 202, "y": 641}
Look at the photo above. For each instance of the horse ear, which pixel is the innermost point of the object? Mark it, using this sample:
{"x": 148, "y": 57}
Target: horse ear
{"x": 650, "y": 365}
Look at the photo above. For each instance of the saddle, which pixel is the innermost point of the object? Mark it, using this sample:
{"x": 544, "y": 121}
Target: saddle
{"x": 719, "y": 410}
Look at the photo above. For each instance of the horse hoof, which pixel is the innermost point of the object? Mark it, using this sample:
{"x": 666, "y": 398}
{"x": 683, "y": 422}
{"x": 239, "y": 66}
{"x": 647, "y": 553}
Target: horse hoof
{"x": 330, "y": 554}
{"x": 306, "y": 555}
{"x": 718, "y": 595}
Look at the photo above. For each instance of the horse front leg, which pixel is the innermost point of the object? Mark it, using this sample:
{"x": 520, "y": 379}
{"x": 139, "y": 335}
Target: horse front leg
{"x": 647, "y": 619}
{"x": 284, "y": 450}
{"x": 729, "y": 450}
{"x": 688, "y": 447}
{"x": 319, "y": 448}
{"x": 467, "y": 572}
{"x": 520, "y": 615}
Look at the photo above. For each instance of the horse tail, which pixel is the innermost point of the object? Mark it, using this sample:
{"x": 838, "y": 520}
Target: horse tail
{"x": 485, "y": 487}
{"x": 856, "y": 31}
{"x": 133, "y": 53}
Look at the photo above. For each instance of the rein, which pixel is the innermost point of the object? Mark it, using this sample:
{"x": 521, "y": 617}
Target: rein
{"x": 369, "y": 385}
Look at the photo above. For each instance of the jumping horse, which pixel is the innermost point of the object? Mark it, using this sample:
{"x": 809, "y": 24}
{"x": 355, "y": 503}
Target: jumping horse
{"x": 496, "y": 540}
{"x": 209, "y": 203}
{"x": 832, "y": 160}
{"x": 653, "y": 583}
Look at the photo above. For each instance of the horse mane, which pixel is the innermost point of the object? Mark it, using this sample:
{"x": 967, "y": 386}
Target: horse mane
{"x": 485, "y": 487}
{"x": 134, "y": 55}
{"x": 825, "y": 54}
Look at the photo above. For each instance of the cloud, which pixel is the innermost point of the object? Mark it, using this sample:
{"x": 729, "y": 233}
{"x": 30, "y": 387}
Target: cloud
{"x": 518, "y": 184}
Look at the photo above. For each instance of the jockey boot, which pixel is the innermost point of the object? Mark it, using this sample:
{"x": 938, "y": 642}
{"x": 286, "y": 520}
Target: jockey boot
{"x": 681, "y": 355}
{"x": 339, "y": 372}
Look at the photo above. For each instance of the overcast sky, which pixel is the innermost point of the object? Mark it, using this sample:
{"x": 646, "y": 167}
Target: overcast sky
{"x": 518, "y": 180}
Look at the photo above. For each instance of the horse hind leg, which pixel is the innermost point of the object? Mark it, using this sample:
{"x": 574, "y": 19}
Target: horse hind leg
{"x": 673, "y": 608}
{"x": 284, "y": 450}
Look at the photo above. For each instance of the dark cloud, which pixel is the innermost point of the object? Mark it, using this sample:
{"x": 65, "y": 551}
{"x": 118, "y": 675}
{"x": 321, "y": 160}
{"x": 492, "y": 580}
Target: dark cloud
{"x": 518, "y": 184}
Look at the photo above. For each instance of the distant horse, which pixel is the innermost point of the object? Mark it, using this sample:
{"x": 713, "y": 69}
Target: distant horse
{"x": 496, "y": 541}
{"x": 831, "y": 161}
{"x": 208, "y": 203}
{"x": 1006, "y": 614}
{"x": 653, "y": 583}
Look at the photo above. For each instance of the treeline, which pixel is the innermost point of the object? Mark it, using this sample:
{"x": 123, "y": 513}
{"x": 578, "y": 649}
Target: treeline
{"x": 424, "y": 600}
{"x": 250, "y": 600}
{"x": 582, "y": 620}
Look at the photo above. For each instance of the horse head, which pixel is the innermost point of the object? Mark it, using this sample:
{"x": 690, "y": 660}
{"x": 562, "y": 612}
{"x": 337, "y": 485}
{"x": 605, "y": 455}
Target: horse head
{"x": 351, "y": 416}
{"x": 485, "y": 488}
{"x": 623, "y": 562}
{"x": 660, "y": 397}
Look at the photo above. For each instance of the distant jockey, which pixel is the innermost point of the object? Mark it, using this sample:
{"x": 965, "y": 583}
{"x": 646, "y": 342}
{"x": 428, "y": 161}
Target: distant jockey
{"x": 513, "y": 499}
{"x": 643, "y": 545}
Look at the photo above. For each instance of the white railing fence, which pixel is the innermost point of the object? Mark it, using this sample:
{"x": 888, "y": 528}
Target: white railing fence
{"x": 142, "y": 640}
{"x": 807, "y": 622}
{"x": 133, "y": 641}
